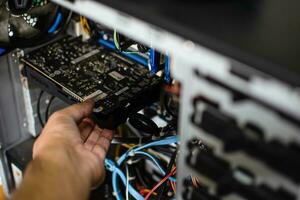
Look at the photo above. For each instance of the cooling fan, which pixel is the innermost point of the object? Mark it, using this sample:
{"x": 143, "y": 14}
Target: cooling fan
{"x": 25, "y": 23}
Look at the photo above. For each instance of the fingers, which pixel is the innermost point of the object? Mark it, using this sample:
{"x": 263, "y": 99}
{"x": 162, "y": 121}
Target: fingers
{"x": 99, "y": 138}
{"x": 92, "y": 139}
{"x": 99, "y": 179}
{"x": 100, "y": 152}
{"x": 105, "y": 139}
{"x": 85, "y": 128}
{"x": 78, "y": 111}
{"x": 98, "y": 143}
{"x": 108, "y": 134}
{"x": 104, "y": 143}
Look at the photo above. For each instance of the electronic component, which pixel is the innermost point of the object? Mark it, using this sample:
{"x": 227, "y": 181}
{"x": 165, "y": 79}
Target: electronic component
{"x": 30, "y": 23}
{"x": 196, "y": 194}
{"x": 76, "y": 71}
{"x": 232, "y": 179}
{"x": 239, "y": 101}
{"x": 252, "y": 142}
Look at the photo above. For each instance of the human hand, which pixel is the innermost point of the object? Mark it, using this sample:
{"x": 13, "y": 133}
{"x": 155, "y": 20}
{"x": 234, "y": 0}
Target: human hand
{"x": 71, "y": 138}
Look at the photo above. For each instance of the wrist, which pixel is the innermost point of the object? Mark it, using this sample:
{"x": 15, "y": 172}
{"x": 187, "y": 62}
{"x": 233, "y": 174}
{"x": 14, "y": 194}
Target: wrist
{"x": 56, "y": 176}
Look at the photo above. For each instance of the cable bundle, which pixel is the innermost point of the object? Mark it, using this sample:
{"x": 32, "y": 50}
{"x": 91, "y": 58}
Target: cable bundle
{"x": 115, "y": 168}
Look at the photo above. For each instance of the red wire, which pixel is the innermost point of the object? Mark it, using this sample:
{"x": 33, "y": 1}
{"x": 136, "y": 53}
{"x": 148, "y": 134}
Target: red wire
{"x": 159, "y": 183}
{"x": 173, "y": 185}
{"x": 143, "y": 192}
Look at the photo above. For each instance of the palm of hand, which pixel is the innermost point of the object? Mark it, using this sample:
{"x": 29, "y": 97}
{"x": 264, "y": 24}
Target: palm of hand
{"x": 88, "y": 144}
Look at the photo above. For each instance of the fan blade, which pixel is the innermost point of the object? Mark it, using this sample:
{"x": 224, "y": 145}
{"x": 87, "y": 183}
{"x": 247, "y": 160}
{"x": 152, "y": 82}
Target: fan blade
{"x": 21, "y": 28}
{"x": 4, "y": 15}
{"x": 17, "y": 30}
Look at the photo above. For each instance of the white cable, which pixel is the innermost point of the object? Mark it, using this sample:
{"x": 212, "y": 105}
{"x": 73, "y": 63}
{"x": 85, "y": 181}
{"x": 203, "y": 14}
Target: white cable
{"x": 127, "y": 182}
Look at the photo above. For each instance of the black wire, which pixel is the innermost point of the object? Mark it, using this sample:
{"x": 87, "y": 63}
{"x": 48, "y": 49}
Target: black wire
{"x": 48, "y": 108}
{"x": 146, "y": 157}
{"x": 163, "y": 187}
{"x": 144, "y": 124}
{"x": 167, "y": 106}
{"x": 142, "y": 48}
{"x": 39, "y": 108}
{"x": 64, "y": 24}
{"x": 131, "y": 140}
{"x": 165, "y": 149}
{"x": 166, "y": 152}
{"x": 144, "y": 177}
{"x": 140, "y": 177}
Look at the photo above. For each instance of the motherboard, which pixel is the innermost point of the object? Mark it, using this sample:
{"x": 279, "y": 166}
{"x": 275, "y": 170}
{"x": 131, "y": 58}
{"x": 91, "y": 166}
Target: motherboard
{"x": 76, "y": 70}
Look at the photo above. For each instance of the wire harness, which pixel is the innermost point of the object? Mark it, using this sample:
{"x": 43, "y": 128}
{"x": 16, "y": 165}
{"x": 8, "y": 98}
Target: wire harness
{"x": 115, "y": 167}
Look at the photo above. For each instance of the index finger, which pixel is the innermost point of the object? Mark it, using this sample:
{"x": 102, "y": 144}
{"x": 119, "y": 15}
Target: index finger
{"x": 79, "y": 111}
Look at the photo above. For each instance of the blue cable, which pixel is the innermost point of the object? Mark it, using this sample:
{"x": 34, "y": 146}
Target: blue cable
{"x": 153, "y": 61}
{"x": 167, "y": 69}
{"x": 137, "y": 58}
{"x": 111, "y": 167}
{"x": 165, "y": 141}
{"x": 56, "y": 23}
{"x": 115, "y": 186}
{"x": 2, "y": 51}
{"x": 107, "y": 43}
{"x": 152, "y": 158}
{"x": 109, "y": 164}
{"x": 155, "y": 161}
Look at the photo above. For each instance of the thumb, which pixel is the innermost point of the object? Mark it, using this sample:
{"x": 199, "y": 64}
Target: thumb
{"x": 79, "y": 111}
